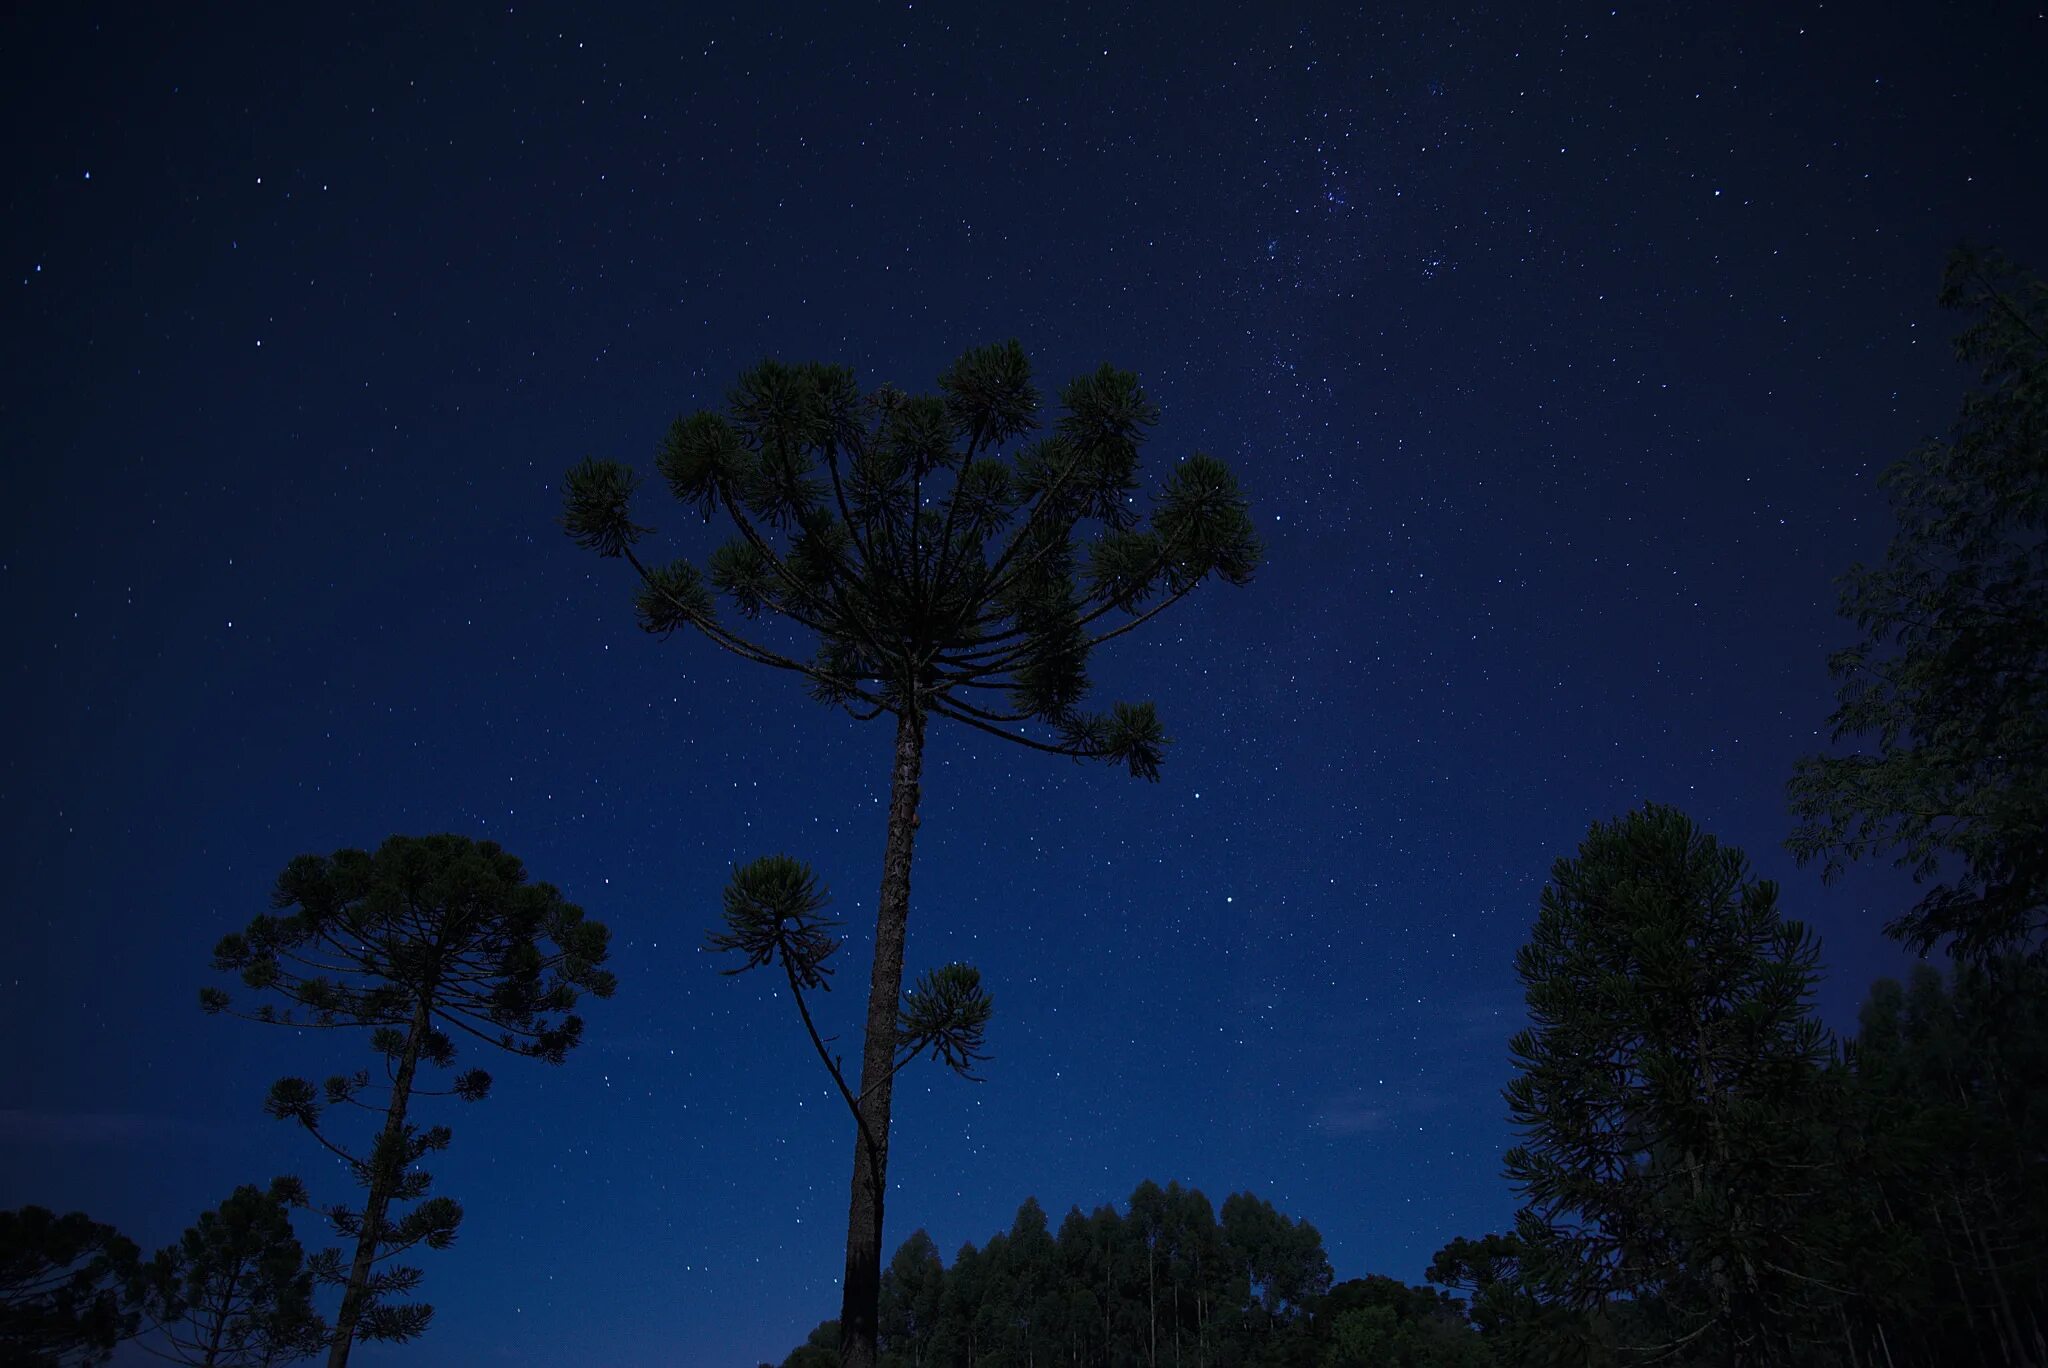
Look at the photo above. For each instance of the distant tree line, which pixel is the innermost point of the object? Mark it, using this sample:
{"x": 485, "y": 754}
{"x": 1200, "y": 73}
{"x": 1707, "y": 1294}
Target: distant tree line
{"x": 1884, "y": 1203}
{"x": 1164, "y": 1281}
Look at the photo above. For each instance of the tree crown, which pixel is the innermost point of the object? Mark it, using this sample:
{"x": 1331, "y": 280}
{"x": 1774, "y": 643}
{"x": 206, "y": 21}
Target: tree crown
{"x": 1950, "y": 681}
{"x": 940, "y": 561}
{"x": 440, "y": 924}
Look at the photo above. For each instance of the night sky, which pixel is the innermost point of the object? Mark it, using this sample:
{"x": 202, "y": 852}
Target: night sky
{"x": 1558, "y": 349}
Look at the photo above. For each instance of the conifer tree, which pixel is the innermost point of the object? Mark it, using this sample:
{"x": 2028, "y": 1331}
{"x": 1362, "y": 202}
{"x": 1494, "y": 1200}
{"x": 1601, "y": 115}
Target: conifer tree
{"x": 236, "y": 1291}
{"x": 1950, "y": 681}
{"x": 944, "y": 565}
{"x": 61, "y": 1288}
{"x": 427, "y": 939}
{"x": 1666, "y": 1092}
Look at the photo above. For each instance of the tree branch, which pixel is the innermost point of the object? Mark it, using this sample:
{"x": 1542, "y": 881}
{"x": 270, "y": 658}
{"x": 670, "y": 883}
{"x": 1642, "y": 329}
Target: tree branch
{"x": 952, "y": 513}
{"x": 946, "y": 708}
{"x": 867, "y": 1136}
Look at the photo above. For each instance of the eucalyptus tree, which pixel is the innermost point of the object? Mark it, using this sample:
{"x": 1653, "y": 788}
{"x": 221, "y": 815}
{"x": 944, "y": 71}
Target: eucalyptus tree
{"x": 1255, "y": 1293}
{"x": 424, "y": 940}
{"x": 942, "y": 562}
{"x": 1280, "y": 1260}
{"x": 236, "y": 1291}
{"x": 913, "y": 1289}
{"x": 1949, "y": 685}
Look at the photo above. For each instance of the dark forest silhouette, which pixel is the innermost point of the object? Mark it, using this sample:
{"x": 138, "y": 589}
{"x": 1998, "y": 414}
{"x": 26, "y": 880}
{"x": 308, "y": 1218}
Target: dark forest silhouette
{"x": 1909, "y": 1226}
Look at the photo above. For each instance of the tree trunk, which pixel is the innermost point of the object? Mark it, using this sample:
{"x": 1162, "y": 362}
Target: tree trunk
{"x": 862, "y": 1287}
{"x": 384, "y": 1175}
{"x": 1107, "y": 1254}
{"x": 1151, "y": 1311}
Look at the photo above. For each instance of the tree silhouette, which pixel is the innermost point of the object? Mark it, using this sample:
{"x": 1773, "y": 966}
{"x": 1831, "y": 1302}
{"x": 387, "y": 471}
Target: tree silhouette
{"x": 1376, "y": 1322}
{"x": 939, "y": 568}
{"x": 1948, "y": 1211}
{"x": 912, "y": 1286}
{"x": 426, "y": 936}
{"x": 235, "y": 1292}
{"x": 774, "y": 916}
{"x": 1951, "y": 678}
{"x": 61, "y": 1288}
{"x": 1164, "y": 1284}
{"x": 1665, "y": 1090}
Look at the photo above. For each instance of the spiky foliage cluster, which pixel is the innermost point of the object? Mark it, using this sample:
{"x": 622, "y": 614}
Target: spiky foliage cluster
{"x": 235, "y": 1291}
{"x": 774, "y": 915}
{"x": 365, "y": 938}
{"x": 1949, "y": 685}
{"x": 61, "y": 1286}
{"x": 945, "y": 1014}
{"x": 1666, "y": 1086}
{"x": 389, "y": 1168}
{"x": 427, "y": 939}
{"x": 945, "y": 552}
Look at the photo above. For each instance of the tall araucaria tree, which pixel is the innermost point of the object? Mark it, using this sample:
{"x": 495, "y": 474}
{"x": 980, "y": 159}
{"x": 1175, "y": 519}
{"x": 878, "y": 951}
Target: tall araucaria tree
{"x": 945, "y": 563}
{"x": 427, "y": 936}
{"x": 1949, "y": 686}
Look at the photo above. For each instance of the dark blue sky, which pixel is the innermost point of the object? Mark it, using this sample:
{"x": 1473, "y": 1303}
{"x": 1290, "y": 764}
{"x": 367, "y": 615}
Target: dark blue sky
{"x": 1558, "y": 348}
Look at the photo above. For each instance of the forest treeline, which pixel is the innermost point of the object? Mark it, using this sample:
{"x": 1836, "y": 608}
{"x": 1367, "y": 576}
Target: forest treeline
{"x": 1919, "y": 1226}
{"x": 1703, "y": 1175}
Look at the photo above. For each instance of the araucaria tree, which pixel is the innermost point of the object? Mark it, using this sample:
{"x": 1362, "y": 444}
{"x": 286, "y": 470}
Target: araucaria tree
{"x": 236, "y": 1291}
{"x": 1950, "y": 681}
{"x": 426, "y": 937}
{"x": 62, "y": 1284}
{"x": 945, "y": 564}
{"x": 1666, "y": 1094}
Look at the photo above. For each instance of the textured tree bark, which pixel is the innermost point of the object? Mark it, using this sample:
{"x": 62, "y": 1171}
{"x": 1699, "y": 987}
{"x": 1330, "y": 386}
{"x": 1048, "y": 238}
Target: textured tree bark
{"x": 863, "y": 1281}
{"x": 382, "y": 1182}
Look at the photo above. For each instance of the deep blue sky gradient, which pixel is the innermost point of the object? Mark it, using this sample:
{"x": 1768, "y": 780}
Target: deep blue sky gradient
{"x": 1559, "y": 349}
